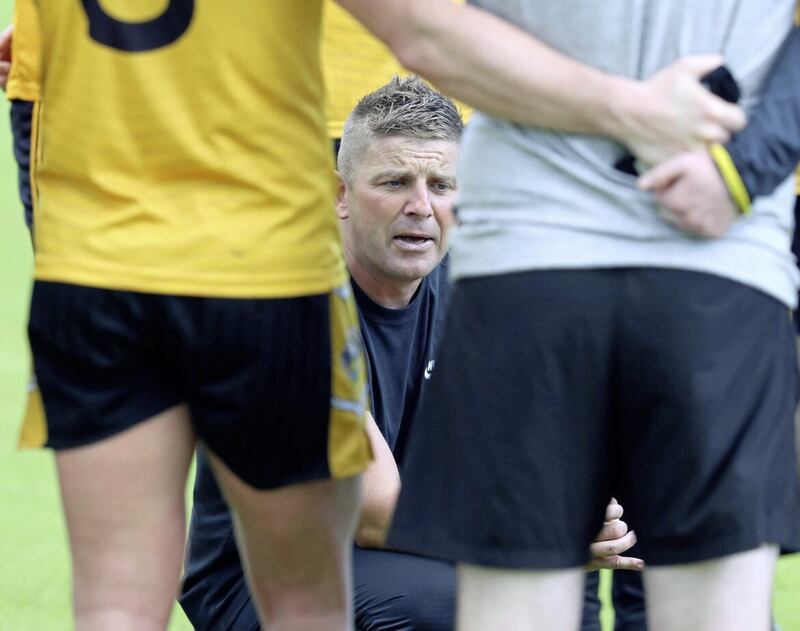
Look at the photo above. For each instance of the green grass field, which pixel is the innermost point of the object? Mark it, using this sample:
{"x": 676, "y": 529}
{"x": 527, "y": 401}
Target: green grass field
{"x": 34, "y": 564}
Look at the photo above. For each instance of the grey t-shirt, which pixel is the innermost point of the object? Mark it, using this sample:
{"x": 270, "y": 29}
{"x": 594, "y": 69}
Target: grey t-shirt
{"x": 537, "y": 199}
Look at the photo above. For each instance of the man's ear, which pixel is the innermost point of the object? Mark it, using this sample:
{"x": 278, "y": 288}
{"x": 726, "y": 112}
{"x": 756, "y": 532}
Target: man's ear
{"x": 341, "y": 197}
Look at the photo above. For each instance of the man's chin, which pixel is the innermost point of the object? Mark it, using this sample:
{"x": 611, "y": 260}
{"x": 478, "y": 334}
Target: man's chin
{"x": 412, "y": 270}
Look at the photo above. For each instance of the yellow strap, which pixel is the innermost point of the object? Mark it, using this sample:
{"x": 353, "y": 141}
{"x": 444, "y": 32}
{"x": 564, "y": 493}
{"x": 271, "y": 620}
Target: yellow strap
{"x": 733, "y": 181}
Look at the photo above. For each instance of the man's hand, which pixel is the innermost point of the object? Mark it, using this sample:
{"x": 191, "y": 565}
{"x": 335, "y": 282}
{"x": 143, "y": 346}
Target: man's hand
{"x": 692, "y": 194}
{"x": 672, "y": 112}
{"x": 614, "y": 539}
{"x": 5, "y": 55}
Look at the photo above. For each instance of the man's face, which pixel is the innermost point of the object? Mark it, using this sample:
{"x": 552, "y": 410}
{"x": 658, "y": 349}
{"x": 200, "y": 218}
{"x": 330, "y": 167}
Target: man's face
{"x": 398, "y": 206}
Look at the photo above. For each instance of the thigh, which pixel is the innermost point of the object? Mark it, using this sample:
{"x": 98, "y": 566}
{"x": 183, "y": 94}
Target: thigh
{"x": 277, "y": 387}
{"x": 518, "y": 600}
{"x": 295, "y": 543}
{"x": 97, "y": 363}
{"x": 707, "y": 397}
{"x": 402, "y": 592}
{"x": 511, "y": 446}
{"x": 123, "y": 500}
{"x": 732, "y": 593}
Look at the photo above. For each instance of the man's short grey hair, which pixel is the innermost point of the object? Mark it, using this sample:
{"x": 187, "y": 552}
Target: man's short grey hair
{"x": 406, "y": 106}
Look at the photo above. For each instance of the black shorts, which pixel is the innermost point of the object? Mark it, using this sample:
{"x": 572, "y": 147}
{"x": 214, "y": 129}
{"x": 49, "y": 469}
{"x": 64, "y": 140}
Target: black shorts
{"x": 274, "y": 387}
{"x": 673, "y": 391}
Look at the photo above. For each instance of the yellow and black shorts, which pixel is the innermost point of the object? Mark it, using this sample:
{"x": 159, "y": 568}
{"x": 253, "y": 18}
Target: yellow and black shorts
{"x": 275, "y": 387}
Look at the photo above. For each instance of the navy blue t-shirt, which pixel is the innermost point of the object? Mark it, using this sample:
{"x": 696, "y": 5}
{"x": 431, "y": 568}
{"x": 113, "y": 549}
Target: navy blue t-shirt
{"x": 399, "y": 346}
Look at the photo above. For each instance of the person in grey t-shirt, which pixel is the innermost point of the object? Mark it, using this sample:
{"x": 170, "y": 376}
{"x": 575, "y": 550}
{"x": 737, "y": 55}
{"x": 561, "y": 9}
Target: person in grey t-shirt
{"x": 583, "y": 323}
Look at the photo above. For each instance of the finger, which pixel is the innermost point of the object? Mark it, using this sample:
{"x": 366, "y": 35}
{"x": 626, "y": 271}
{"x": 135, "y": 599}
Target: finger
{"x": 729, "y": 115}
{"x": 613, "y": 511}
{"x": 662, "y": 175}
{"x": 711, "y": 133}
{"x": 701, "y": 65}
{"x": 613, "y": 547}
{"x": 617, "y": 563}
{"x": 611, "y": 530}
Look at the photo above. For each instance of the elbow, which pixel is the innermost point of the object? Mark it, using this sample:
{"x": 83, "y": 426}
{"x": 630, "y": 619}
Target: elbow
{"x": 418, "y": 46}
{"x": 425, "y": 60}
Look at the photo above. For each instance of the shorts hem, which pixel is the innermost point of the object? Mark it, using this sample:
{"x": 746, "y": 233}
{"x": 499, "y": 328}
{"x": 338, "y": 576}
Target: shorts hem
{"x": 534, "y": 559}
{"x": 706, "y": 552}
{"x": 61, "y": 444}
{"x": 286, "y": 480}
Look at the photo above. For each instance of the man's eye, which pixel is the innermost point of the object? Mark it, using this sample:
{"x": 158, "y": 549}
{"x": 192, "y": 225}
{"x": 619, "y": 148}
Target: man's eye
{"x": 442, "y": 187}
{"x": 394, "y": 183}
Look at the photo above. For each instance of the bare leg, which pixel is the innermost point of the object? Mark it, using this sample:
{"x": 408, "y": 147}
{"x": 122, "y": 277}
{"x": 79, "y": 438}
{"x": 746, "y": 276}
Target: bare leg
{"x": 124, "y": 506}
{"x": 519, "y": 600}
{"x": 732, "y": 593}
{"x": 296, "y": 543}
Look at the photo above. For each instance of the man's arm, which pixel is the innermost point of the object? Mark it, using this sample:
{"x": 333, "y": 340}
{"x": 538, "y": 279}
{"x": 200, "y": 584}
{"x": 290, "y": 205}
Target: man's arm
{"x": 380, "y": 487}
{"x": 492, "y": 65}
{"x": 768, "y": 149}
{"x": 5, "y": 55}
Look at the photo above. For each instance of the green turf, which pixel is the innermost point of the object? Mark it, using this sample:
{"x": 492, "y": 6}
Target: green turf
{"x": 34, "y": 566}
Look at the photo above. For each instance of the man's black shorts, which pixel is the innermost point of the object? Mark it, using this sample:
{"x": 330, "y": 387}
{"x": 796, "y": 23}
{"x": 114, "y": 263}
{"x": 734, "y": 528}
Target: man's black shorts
{"x": 673, "y": 391}
{"x": 274, "y": 387}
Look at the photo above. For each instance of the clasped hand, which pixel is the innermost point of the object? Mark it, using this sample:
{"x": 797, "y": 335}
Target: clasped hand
{"x": 612, "y": 541}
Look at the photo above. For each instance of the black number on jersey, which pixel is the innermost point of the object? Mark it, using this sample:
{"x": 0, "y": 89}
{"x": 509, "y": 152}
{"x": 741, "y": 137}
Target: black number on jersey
{"x": 135, "y": 37}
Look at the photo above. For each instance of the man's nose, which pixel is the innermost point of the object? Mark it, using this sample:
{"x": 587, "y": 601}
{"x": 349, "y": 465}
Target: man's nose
{"x": 419, "y": 202}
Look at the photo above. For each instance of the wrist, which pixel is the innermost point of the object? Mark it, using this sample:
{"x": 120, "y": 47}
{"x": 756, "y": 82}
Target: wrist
{"x": 622, "y": 104}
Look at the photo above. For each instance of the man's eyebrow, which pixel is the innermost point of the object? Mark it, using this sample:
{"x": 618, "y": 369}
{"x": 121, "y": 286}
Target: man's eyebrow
{"x": 401, "y": 173}
{"x": 389, "y": 174}
{"x": 450, "y": 178}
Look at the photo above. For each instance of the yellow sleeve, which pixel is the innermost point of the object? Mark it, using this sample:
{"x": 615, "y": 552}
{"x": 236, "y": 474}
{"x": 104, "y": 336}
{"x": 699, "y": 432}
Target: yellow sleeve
{"x": 23, "y": 78}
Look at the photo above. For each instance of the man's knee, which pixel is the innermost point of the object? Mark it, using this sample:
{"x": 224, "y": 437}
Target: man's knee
{"x": 414, "y": 611}
{"x": 397, "y": 591}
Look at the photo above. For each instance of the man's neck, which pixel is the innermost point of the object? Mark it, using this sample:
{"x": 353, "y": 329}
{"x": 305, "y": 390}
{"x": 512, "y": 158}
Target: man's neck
{"x": 389, "y": 294}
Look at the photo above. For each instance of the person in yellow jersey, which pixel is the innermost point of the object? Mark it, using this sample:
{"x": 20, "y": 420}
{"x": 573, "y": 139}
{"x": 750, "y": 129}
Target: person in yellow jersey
{"x": 184, "y": 236}
{"x": 189, "y": 282}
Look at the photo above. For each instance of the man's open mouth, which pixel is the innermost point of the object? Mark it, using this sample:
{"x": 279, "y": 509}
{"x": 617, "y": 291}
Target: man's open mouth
{"x": 413, "y": 242}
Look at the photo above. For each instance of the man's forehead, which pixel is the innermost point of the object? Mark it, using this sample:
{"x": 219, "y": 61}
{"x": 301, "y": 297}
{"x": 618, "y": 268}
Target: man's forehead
{"x": 402, "y": 152}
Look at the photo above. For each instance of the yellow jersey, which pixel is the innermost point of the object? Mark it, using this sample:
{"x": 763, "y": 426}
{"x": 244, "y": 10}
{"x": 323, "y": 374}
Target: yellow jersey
{"x": 354, "y": 64}
{"x": 181, "y": 149}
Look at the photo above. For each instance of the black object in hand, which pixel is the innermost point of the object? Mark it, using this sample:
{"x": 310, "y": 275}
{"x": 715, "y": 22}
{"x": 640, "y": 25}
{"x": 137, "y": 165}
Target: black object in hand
{"x": 719, "y": 81}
